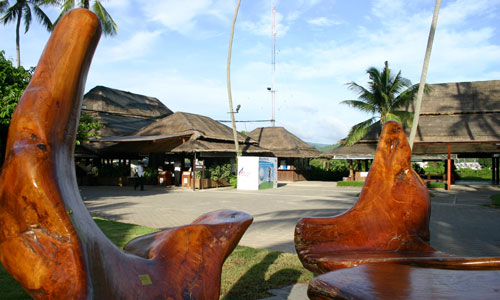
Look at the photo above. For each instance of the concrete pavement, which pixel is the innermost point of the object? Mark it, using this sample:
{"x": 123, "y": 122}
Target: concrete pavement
{"x": 460, "y": 224}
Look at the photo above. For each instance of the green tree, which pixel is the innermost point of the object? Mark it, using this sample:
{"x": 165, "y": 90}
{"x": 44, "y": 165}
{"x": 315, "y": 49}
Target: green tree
{"x": 387, "y": 98}
{"x": 23, "y": 10}
{"x": 13, "y": 81}
{"x": 109, "y": 26}
{"x": 88, "y": 127}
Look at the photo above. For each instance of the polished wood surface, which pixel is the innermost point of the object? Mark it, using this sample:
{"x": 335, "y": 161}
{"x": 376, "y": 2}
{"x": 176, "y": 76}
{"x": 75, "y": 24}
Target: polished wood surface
{"x": 48, "y": 241}
{"x": 394, "y": 281}
{"x": 388, "y": 223}
{"x": 391, "y": 215}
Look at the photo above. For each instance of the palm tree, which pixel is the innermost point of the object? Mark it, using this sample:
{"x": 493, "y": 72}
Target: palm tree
{"x": 228, "y": 72}
{"x": 423, "y": 75}
{"x": 109, "y": 26}
{"x": 23, "y": 10}
{"x": 387, "y": 98}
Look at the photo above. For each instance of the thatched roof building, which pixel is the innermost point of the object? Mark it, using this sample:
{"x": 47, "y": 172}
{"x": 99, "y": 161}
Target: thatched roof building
{"x": 185, "y": 133}
{"x": 293, "y": 153}
{"x": 462, "y": 115}
{"x": 122, "y": 113}
{"x": 282, "y": 143}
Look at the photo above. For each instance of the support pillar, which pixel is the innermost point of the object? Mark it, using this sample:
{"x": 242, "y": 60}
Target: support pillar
{"x": 493, "y": 170}
{"x": 497, "y": 167}
{"x": 448, "y": 171}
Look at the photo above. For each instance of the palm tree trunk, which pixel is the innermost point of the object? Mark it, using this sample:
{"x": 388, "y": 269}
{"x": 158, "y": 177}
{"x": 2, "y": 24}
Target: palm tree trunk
{"x": 424, "y": 73}
{"x": 230, "y": 98}
{"x": 18, "y": 44}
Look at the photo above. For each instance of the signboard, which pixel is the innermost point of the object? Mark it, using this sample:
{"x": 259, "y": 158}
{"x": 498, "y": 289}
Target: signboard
{"x": 257, "y": 173}
{"x": 198, "y": 165}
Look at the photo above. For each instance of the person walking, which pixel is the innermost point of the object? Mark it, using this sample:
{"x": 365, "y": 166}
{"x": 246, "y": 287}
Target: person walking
{"x": 139, "y": 172}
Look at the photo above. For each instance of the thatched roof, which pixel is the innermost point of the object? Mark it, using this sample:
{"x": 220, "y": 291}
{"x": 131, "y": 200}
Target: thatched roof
{"x": 122, "y": 113}
{"x": 183, "y": 132}
{"x": 463, "y": 114}
{"x": 206, "y": 146}
{"x": 200, "y": 127}
{"x": 282, "y": 143}
{"x": 113, "y": 101}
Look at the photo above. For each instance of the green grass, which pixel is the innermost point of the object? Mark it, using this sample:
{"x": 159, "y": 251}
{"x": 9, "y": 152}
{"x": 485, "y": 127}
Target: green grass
{"x": 350, "y": 183}
{"x": 436, "y": 185}
{"x": 495, "y": 200}
{"x": 247, "y": 273}
{"x": 474, "y": 175}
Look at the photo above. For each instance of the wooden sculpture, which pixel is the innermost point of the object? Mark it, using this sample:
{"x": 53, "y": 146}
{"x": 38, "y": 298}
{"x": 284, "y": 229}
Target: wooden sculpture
{"x": 388, "y": 223}
{"x": 48, "y": 241}
{"x": 401, "y": 282}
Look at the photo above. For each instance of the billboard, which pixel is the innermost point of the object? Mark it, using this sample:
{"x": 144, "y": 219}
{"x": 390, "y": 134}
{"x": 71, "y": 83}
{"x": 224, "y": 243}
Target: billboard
{"x": 257, "y": 173}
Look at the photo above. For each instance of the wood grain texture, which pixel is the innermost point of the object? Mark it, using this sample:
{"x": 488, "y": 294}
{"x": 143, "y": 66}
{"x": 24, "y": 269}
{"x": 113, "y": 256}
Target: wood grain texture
{"x": 48, "y": 241}
{"x": 388, "y": 223}
{"x": 394, "y": 282}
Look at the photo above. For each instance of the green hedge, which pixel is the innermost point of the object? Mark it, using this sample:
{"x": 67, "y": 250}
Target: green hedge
{"x": 350, "y": 183}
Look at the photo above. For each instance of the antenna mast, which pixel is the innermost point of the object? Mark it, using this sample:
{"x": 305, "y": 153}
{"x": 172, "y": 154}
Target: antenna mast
{"x": 273, "y": 63}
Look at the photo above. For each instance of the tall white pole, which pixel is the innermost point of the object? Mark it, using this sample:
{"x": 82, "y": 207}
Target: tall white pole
{"x": 273, "y": 63}
{"x": 424, "y": 73}
{"x": 230, "y": 97}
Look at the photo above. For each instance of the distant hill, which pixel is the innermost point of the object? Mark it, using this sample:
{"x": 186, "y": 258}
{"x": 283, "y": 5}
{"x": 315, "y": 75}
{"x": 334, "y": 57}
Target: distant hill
{"x": 323, "y": 147}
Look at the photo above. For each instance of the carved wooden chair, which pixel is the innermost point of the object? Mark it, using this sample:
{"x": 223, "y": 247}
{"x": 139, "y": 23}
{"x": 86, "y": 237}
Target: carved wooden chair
{"x": 389, "y": 224}
{"x": 48, "y": 241}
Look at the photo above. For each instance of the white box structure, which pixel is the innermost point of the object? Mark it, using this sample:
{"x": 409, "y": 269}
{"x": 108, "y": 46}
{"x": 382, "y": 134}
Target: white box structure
{"x": 257, "y": 173}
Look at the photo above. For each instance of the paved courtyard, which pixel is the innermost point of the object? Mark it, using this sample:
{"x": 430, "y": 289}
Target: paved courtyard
{"x": 460, "y": 225}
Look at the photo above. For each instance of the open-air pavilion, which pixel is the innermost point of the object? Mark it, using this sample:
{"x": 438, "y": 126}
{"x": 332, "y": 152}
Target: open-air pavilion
{"x": 293, "y": 154}
{"x": 457, "y": 120}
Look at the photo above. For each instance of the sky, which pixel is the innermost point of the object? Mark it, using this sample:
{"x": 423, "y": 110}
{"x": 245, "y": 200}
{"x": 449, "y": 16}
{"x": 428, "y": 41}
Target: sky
{"x": 177, "y": 52}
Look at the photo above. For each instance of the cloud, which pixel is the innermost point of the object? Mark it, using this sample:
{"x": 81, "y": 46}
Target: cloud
{"x": 138, "y": 45}
{"x": 263, "y": 26}
{"x": 183, "y": 16}
{"x": 323, "y": 22}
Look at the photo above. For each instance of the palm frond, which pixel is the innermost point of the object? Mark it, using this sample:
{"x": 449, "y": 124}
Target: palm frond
{"x": 361, "y": 105}
{"x": 108, "y": 24}
{"x": 43, "y": 18}
{"x": 27, "y": 18}
{"x": 401, "y": 116}
{"x": 3, "y": 5}
{"x": 11, "y": 13}
{"x": 358, "y": 131}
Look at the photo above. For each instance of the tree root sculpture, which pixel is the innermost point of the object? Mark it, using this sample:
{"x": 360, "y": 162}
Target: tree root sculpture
{"x": 48, "y": 241}
{"x": 388, "y": 223}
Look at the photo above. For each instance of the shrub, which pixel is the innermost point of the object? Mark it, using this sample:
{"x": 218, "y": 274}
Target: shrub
{"x": 436, "y": 185}
{"x": 350, "y": 183}
{"x": 329, "y": 170}
{"x": 435, "y": 168}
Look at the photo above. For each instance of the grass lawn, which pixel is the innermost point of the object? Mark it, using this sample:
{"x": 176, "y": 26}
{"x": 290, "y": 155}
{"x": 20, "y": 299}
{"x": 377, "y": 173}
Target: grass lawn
{"x": 350, "y": 183}
{"x": 495, "y": 200}
{"x": 247, "y": 273}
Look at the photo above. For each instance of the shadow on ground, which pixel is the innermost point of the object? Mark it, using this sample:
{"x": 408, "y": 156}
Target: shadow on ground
{"x": 254, "y": 284}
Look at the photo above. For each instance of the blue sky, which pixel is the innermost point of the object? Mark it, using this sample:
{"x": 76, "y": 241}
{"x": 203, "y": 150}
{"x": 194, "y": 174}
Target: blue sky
{"x": 177, "y": 51}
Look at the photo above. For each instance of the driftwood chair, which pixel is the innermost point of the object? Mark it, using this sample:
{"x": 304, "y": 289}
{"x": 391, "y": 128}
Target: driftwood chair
{"x": 48, "y": 241}
{"x": 388, "y": 224}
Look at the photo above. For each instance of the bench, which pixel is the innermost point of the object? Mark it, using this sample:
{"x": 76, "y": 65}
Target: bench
{"x": 389, "y": 224}
{"x": 48, "y": 240}
{"x": 394, "y": 281}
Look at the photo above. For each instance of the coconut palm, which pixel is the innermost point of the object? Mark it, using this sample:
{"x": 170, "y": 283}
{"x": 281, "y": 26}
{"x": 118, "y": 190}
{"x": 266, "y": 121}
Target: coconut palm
{"x": 387, "y": 98}
{"x": 109, "y": 26}
{"x": 23, "y": 10}
{"x": 423, "y": 75}
{"x": 228, "y": 71}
